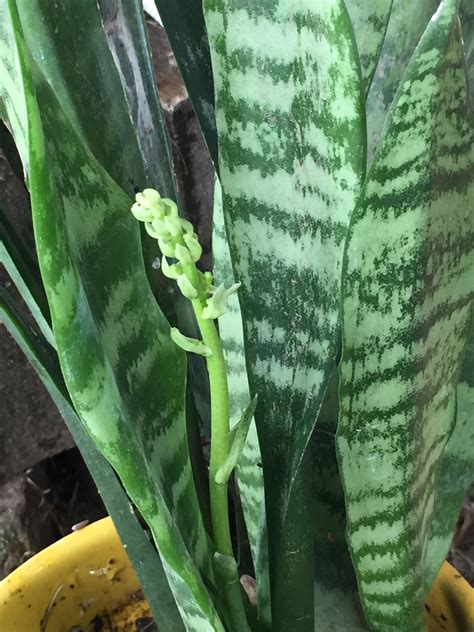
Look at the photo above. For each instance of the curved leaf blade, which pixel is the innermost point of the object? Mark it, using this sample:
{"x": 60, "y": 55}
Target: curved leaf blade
{"x": 125, "y": 29}
{"x": 370, "y": 21}
{"x": 124, "y": 350}
{"x": 140, "y": 550}
{"x": 408, "y": 21}
{"x": 291, "y": 170}
{"x": 407, "y": 294}
{"x": 184, "y": 24}
{"x": 456, "y": 471}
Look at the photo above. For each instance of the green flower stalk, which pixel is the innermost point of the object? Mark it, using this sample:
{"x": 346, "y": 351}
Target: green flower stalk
{"x": 178, "y": 242}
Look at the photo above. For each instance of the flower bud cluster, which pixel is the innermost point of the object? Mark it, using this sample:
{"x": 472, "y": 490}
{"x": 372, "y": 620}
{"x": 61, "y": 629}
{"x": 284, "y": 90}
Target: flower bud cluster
{"x": 177, "y": 240}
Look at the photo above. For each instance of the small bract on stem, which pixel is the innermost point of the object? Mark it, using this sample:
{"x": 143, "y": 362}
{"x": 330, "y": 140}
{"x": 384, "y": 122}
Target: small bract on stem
{"x": 181, "y": 251}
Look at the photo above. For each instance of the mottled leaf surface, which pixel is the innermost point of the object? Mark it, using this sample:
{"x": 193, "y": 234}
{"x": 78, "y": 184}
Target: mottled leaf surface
{"x": 249, "y": 470}
{"x": 456, "y": 472}
{"x": 291, "y": 163}
{"x": 12, "y": 98}
{"x": 336, "y": 603}
{"x": 140, "y": 550}
{"x": 184, "y": 24}
{"x": 369, "y": 19}
{"x": 113, "y": 341}
{"x": 408, "y": 21}
{"x": 407, "y": 294}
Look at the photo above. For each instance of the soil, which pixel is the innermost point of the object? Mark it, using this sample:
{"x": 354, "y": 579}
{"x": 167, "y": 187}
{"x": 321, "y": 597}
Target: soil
{"x": 134, "y": 616}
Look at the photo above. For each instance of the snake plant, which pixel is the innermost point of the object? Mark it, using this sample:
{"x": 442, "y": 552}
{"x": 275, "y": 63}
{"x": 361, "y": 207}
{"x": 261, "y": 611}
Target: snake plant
{"x": 333, "y": 335}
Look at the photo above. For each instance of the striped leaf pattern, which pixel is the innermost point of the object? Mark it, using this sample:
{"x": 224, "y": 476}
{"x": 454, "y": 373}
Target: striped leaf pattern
{"x": 337, "y": 606}
{"x": 249, "y": 470}
{"x": 184, "y": 24}
{"x": 407, "y": 23}
{"x": 456, "y": 472}
{"x": 12, "y": 100}
{"x": 109, "y": 128}
{"x": 291, "y": 164}
{"x": 113, "y": 341}
{"x": 140, "y": 550}
{"x": 370, "y": 21}
{"x": 124, "y": 353}
{"x": 407, "y": 294}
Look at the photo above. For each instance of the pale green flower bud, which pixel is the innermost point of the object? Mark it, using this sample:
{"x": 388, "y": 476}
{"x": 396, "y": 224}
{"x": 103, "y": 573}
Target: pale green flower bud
{"x": 217, "y": 303}
{"x": 173, "y": 271}
{"x": 167, "y": 248}
{"x": 173, "y": 225}
{"x": 208, "y": 281}
{"x": 186, "y": 226}
{"x": 182, "y": 254}
{"x": 189, "y": 344}
{"x": 187, "y": 288}
{"x": 151, "y": 230}
{"x": 170, "y": 208}
{"x": 194, "y": 246}
{"x": 142, "y": 213}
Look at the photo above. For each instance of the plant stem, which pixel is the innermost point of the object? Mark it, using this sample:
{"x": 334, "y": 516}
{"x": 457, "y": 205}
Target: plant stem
{"x": 219, "y": 389}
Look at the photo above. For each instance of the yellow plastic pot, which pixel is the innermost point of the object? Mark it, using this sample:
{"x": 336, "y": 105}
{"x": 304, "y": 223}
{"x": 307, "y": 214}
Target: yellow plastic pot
{"x": 69, "y": 583}
{"x": 88, "y": 572}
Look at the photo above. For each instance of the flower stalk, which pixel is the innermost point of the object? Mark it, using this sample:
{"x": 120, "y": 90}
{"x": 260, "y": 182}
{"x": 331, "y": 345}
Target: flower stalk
{"x": 178, "y": 241}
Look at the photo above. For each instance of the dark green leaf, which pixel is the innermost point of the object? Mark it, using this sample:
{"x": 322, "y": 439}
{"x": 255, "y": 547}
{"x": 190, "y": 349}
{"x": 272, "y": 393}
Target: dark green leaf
{"x": 184, "y": 24}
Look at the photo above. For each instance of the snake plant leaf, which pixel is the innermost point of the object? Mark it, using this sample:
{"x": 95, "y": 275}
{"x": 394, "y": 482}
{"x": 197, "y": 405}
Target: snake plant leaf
{"x": 24, "y": 272}
{"x": 407, "y": 23}
{"x": 113, "y": 341}
{"x": 467, "y": 25}
{"x": 9, "y": 149}
{"x": 140, "y": 550}
{"x": 457, "y": 470}
{"x": 249, "y": 471}
{"x": 238, "y": 440}
{"x": 184, "y": 25}
{"x": 369, "y": 21}
{"x": 126, "y": 34}
{"x": 407, "y": 294}
{"x": 291, "y": 165}
{"x": 12, "y": 98}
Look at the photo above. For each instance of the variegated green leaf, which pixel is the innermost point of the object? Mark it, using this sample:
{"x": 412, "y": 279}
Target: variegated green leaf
{"x": 292, "y": 153}
{"x": 337, "y": 605}
{"x": 370, "y": 20}
{"x": 140, "y": 550}
{"x": 126, "y": 33}
{"x": 12, "y": 99}
{"x": 467, "y": 24}
{"x": 408, "y": 20}
{"x": 113, "y": 341}
{"x": 456, "y": 472}
{"x": 249, "y": 470}
{"x": 24, "y": 272}
{"x": 407, "y": 293}
{"x": 184, "y": 24}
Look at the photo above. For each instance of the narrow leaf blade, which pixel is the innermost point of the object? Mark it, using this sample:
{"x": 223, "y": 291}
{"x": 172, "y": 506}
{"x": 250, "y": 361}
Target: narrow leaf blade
{"x": 407, "y": 293}
{"x": 370, "y": 21}
{"x": 140, "y": 550}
